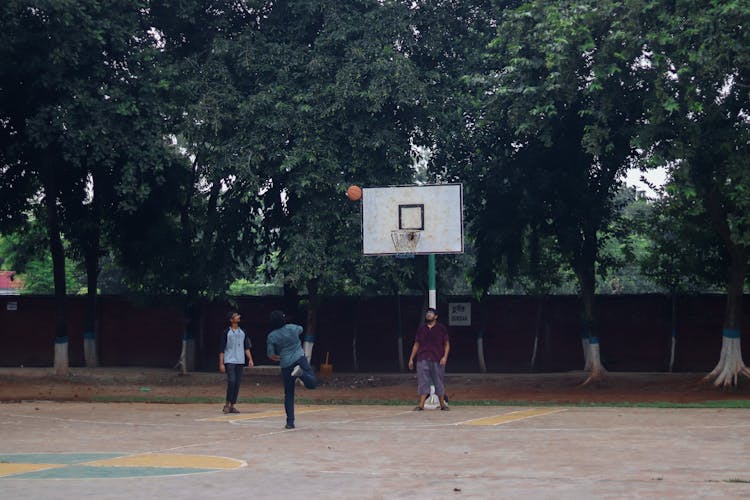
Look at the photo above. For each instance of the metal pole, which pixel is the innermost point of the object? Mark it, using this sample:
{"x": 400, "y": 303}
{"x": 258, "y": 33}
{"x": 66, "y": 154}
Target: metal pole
{"x": 432, "y": 297}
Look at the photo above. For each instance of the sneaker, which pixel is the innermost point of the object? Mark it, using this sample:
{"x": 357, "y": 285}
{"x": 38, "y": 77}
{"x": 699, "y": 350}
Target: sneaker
{"x": 297, "y": 371}
{"x": 418, "y": 408}
{"x": 445, "y": 408}
{"x": 233, "y": 410}
{"x": 289, "y": 426}
{"x": 225, "y": 409}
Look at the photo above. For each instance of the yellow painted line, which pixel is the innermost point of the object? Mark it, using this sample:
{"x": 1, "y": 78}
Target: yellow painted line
{"x": 512, "y": 417}
{"x": 255, "y": 416}
{"x": 10, "y": 469}
{"x": 170, "y": 460}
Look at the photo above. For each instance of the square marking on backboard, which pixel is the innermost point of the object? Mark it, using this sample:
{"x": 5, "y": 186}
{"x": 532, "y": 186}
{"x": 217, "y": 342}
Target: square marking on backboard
{"x": 411, "y": 217}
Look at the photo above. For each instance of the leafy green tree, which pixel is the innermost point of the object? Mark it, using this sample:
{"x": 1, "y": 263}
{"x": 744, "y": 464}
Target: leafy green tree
{"x": 196, "y": 229}
{"x": 685, "y": 254}
{"x": 78, "y": 122}
{"x": 25, "y": 252}
{"x": 328, "y": 99}
{"x": 697, "y": 60}
{"x": 629, "y": 240}
{"x": 564, "y": 101}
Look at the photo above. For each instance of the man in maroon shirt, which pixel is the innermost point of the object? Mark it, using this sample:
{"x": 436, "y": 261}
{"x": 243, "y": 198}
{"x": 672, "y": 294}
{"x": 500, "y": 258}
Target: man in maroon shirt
{"x": 431, "y": 348}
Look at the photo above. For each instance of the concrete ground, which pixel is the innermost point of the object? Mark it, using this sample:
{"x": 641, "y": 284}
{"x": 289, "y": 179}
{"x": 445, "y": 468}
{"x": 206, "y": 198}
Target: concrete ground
{"x": 126, "y": 450}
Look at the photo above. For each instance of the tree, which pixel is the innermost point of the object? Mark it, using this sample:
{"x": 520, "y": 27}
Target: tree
{"x": 329, "y": 99}
{"x": 564, "y": 101}
{"x": 80, "y": 122}
{"x": 197, "y": 228}
{"x": 25, "y": 252}
{"x": 698, "y": 58}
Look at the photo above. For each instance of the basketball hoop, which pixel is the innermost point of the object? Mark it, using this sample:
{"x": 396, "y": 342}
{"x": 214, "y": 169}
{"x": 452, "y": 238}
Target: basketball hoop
{"x": 405, "y": 242}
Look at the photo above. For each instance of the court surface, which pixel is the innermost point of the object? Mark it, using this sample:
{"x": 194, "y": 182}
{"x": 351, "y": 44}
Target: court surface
{"x": 127, "y": 450}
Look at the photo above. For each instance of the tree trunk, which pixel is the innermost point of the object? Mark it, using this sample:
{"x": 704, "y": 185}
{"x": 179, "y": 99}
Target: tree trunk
{"x": 200, "y": 330}
{"x": 312, "y": 317}
{"x": 730, "y": 364}
{"x": 589, "y": 339}
{"x": 186, "y": 362}
{"x": 91, "y": 261}
{"x": 290, "y": 303}
{"x": 61, "y": 363}
{"x": 480, "y": 334}
{"x": 399, "y": 334}
{"x": 355, "y": 364}
{"x": 673, "y": 338}
{"x": 91, "y": 327}
{"x": 537, "y": 331}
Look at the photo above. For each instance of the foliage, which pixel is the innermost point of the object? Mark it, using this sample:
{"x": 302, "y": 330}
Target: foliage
{"x": 25, "y": 253}
{"x": 697, "y": 61}
{"x": 557, "y": 107}
{"x": 685, "y": 254}
{"x": 329, "y": 99}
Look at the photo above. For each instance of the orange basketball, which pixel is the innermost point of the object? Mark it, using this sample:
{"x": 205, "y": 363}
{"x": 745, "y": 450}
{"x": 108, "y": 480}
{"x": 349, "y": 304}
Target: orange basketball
{"x": 354, "y": 193}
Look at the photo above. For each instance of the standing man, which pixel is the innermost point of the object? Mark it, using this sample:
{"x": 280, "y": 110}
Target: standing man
{"x": 431, "y": 348}
{"x": 284, "y": 346}
{"x": 234, "y": 346}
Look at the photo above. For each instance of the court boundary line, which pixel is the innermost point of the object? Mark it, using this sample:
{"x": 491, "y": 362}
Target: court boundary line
{"x": 551, "y": 411}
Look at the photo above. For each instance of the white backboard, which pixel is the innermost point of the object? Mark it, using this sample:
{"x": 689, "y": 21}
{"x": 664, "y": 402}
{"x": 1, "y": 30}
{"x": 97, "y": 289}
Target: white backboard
{"x": 434, "y": 210}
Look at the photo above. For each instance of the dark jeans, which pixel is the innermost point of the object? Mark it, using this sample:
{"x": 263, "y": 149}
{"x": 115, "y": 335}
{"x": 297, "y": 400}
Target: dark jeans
{"x": 307, "y": 377}
{"x": 234, "y": 377}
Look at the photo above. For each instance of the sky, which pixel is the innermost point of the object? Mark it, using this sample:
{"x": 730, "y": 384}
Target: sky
{"x": 656, "y": 176}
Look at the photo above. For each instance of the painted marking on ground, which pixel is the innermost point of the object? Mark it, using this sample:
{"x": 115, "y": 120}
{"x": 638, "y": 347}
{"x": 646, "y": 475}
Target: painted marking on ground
{"x": 7, "y": 469}
{"x": 256, "y": 416}
{"x": 511, "y": 417}
{"x": 110, "y": 465}
{"x": 170, "y": 460}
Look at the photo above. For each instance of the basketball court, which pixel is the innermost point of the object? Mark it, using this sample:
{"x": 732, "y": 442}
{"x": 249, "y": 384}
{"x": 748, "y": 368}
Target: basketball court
{"x": 148, "y": 450}
{"x": 118, "y": 450}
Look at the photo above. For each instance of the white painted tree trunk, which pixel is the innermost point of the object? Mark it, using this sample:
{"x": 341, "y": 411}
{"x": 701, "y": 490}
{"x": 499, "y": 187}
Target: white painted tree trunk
{"x": 533, "y": 352}
{"x": 187, "y": 355}
{"x": 89, "y": 350}
{"x": 672, "y": 349}
{"x": 400, "y": 346}
{"x": 586, "y": 353}
{"x": 730, "y": 364}
{"x": 61, "y": 364}
{"x": 480, "y": 354}
{"x": 355, "y": 363}
{"x": 594, "y": 362}
{"x": 307, "y": 347}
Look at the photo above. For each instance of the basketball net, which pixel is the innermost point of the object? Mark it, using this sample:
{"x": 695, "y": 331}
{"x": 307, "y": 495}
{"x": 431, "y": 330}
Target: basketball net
{"x": 405, "y": 242}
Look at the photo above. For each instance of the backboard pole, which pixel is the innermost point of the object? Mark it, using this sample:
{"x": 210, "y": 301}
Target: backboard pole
{"x": 432, "y": 293}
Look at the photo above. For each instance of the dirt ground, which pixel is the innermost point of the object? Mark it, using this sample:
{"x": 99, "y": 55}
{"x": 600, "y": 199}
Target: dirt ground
{"x": 144, "y": 384}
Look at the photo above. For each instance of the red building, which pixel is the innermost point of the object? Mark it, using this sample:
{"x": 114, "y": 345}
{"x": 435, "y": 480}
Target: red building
{"x": 8, "y": 284}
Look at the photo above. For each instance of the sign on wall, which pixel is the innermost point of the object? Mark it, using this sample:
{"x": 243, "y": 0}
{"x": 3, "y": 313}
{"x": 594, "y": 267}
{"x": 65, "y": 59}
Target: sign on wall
{"x": 459, "y": 314}
{"x": 11, "y": 306}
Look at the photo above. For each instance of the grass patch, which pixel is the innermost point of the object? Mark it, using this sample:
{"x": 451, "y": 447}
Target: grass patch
{"x": 717, "y": 404}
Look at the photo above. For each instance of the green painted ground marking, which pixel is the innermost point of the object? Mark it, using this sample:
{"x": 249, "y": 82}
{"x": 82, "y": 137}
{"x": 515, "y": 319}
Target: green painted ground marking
{"x": 55, "y": 458}
{"x": 88, "y": 472}
{"x": 109, "y": 465}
